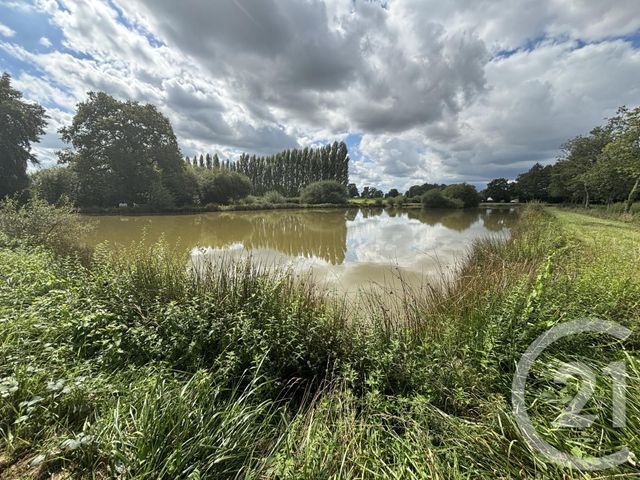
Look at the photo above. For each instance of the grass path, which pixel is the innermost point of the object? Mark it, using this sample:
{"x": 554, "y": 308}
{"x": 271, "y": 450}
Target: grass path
{"x": 603, "y": 235}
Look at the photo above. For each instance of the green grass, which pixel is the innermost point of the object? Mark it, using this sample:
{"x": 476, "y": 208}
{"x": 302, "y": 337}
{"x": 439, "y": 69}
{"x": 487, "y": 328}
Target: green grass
{"x": 134, "y": 367}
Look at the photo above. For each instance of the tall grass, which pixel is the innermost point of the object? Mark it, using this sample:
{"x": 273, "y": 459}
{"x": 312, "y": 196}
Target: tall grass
{"x": 137, "y": 367}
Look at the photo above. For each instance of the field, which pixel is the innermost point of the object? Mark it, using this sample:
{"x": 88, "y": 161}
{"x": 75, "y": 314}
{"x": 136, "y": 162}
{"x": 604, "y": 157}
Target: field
{"x": 130, "y": 366}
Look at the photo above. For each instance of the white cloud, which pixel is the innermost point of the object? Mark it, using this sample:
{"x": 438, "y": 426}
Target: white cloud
{"x": 45, "y": 42}
{"x": 440, "y": 91}
{"x": 6, "y": 31}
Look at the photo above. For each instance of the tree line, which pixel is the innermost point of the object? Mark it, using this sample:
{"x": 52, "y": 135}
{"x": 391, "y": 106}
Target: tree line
{"x": 287, "y": 172}
{"x": 600, "y": 167}
{"x": 124, "y": 152}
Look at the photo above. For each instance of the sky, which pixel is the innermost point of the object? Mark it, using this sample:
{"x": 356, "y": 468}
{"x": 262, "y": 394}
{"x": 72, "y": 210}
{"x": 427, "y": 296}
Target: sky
{"x": 421, "y": 90}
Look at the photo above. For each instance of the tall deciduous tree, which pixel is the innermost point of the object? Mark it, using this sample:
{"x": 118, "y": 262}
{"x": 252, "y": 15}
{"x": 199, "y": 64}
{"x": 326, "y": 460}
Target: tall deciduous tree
{"x": 572, "y": 177}
{"x": 499, "y": 190}
{"x": 623, "y": 152}
{"x": 124, "y": 152}
{"x": 21, "y": 124}
{"x": 534, "y": 184}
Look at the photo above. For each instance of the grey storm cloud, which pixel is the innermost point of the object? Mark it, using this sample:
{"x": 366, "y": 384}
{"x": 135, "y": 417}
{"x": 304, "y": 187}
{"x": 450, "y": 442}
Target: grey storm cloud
{"x": 309, "y": 60}
{"x": 462, "y": 90}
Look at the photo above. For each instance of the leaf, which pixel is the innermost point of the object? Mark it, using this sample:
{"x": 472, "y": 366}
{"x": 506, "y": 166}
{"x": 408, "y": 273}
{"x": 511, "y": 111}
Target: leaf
{"x": 70, "y": 444}
{"x": 37, "y": 460}
{"x": 21, "y": 419}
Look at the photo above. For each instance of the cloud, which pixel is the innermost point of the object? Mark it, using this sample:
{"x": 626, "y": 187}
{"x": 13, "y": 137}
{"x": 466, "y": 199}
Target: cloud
{"x": 6, "y": 31}
{"x": 465, "y": 90}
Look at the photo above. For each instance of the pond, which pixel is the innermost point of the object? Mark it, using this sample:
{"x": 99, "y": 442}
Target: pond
{"x": 345, "y": 249}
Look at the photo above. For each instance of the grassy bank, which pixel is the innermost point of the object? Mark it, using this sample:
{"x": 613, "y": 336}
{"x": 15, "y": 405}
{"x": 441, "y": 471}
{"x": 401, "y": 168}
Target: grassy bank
{"x": 133, "y": 367}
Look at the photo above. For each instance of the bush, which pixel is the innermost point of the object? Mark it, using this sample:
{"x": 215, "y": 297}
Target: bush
{"x": 436, "y": 199}
{"x": 183, "y": 186}
{"x": 39, "y": 223}
{"x": 326, "y": 191}
{"x": 396, "y": 201}
{"x": 222, "y": 186}
{"x": 464, "y": 192}
{"x": 159, "y": 197}
{"x": 274, "y": 196}
{"x": 52, "y": 184}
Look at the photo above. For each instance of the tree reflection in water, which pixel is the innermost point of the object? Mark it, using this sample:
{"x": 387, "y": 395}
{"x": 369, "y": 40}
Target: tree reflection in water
{"x": 352, "y": 245}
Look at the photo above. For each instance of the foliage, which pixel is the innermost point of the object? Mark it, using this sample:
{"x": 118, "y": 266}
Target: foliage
{"x": 55, "y": 184}
{"x": 419, "y": 190}
{"x": 622, "y": 154}
{"x": 499, "y": 190}
{"x": 534, "y": 184}
{"x": 222, "y": 186}
{"x": 140, "y": 368}
{"x": 464, "y": 192}
{"x": 435, "y": 198}
{"x": 122, "y": 149}
{"x": 392, "y": 193}
{"x": 159, "y": 197}
{"x": 371, "y": 192}
{"x": 600, "y": 168}
{"x": 274, "y": 197}
{"x": 326, "y": 191}
{"x": 182, "y": 186}
{"x": 572, "y": 176}
{"x": 40, "y": 223}
{"x": 288, "y": 172}
{"x": 352, "y": 190}
{"x": 22, "y": 124}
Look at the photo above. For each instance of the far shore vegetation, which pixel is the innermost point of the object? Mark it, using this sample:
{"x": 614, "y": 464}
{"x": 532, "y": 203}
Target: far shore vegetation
{"x": 124, "y": 156}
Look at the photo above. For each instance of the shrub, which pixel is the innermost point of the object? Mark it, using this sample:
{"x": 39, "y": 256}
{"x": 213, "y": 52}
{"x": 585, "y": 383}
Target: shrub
{"x": 159, "y": 197}
{"x": 436, "y": 199}
{"x": 326, "y": 191}
{"x": 39, "y": 223}
{"x": 182, "y": 185}
{"x": 222, "y": 186}
{"x": 464, "y": 192}
{"x": 274, "y": 196}
{"x": 52, "y": 184}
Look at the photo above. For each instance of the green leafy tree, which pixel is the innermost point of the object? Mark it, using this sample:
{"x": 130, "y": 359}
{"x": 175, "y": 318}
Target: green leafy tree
{"x": 290, "y": 171}
{"x": 572, "y": 177}
{"x": 326, "y": 191}
{"x": 21, "y": 124}
{"x": 121, "y": 149}
{"x": 499, "y": 190}
{"x": 623, "y": 152}
{"x": 419, "y": 190}
{"x": 352, "y": 190}
{"x": 55, "y": 185}
{"x": 534, "y": 184}
{"x": 464, "y": 192}
{"x": 371, "y": 192}
{"x": 222, "y": 186}
{"x": 435, "y": 198}
{"x": 393, "y": 193}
